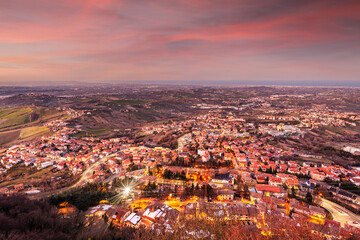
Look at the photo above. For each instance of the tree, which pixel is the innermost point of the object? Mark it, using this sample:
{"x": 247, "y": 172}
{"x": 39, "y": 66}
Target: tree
{"x": 308, "y": 197}
{"x": 22, "y": 218}
{"x": 105, "y": 217}
{"x": 168, "y": 174}
{"x": 84, "y": 197}
{"x": 293, "y": 191}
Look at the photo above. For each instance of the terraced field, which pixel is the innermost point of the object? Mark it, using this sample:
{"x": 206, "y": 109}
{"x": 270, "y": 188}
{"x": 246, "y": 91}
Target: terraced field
{"x": 14, "y": 116}
{"x": 25, "y": 123}
{"x": 30, "y": 132}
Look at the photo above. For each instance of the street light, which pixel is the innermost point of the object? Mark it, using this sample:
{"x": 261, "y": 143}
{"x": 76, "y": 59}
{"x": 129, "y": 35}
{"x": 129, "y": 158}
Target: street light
{"x": 127, "y": 191}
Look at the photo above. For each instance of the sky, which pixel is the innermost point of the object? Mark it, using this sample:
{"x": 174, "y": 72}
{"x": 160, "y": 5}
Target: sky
{"x": 266, "y": 42}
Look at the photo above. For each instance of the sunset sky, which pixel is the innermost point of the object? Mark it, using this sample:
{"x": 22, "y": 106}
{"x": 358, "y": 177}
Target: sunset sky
{"x": 284, "y": 42}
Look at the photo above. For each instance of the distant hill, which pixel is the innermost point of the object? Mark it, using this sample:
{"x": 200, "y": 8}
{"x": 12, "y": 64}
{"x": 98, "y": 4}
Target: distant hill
{"x": 34, "y": 99}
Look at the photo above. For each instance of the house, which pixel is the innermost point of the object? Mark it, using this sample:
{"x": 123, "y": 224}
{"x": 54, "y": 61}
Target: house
{"x": 241, "y": 211}
{"x": 355, "y": 180}
{"x": 293, "y": 170}
{"x": 318, "y": 176}
{"x": 19, "y": 187}
{"x": 29, "y": 161}
{"x": 99, "y": 210}
{"x": 60, "y": 165}
{"x": 331, "y": 229}
{"x": 222, "y": 178}
{"x": 260, "y": 179}
{"x": 4, "y": 191}
{"x": 275, "y": 181}
{"x": 282, "y": 168}
{"x": 292, "y": 183}
{"x": 317, "y": 211}
{"x": 46, "y": 164}
{"x": 212, "y": 211}
{"x": 160, "y": 213}
{"x": 270, "y": 190}
{"x": 225, "y": 194}
{"x": 132, "y": 220}
{"x": 120, "y": 214}
{"x": 308, "y": 185}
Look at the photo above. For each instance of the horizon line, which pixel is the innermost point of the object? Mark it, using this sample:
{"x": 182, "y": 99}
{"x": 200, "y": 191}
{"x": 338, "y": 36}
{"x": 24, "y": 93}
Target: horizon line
{"x": 162, "y": 83}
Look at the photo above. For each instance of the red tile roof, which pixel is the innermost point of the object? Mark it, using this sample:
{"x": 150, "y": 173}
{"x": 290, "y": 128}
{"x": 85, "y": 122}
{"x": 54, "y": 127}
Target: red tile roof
{"x": 267, "y": 188}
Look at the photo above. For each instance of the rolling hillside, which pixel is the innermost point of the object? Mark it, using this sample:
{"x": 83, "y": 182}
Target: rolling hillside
{"x": 25, "y": 123}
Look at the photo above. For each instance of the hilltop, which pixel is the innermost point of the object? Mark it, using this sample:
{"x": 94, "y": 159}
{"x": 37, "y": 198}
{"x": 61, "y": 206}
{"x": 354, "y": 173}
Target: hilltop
{"x": 31, "y": 99}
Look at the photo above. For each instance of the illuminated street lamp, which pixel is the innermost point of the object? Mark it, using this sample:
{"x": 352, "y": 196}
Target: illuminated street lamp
{"x": 126, "y": 191}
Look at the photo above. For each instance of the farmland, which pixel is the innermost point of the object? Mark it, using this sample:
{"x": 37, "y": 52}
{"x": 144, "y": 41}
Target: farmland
{"x": 25, "y": 123}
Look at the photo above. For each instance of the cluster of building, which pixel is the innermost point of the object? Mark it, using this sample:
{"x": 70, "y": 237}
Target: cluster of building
{"x": 223, "y": 151}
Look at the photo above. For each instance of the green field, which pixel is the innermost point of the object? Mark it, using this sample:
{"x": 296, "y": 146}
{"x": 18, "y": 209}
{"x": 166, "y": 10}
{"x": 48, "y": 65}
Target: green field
{"x": 127, "y": 102}
{"x": 142, "y": 116}
{"x": 93, "y": 132}
{"x": 15, "y": 172}
{"x": 14, "y": 116}
{"x": 31, "y": 132}
{"x": 25, "y": 123}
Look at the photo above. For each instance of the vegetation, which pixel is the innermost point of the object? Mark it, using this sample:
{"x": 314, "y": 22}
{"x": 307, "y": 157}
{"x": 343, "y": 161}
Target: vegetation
{"x": 309, "y": 197}
{"x": 349, "y": 186}
{"x": 16, "y": 171}
{"x": 84, "y": 197}
{"x": 143, "y": 116}
{"x": 25, "y": 123}
{"x": 149, "y": 190}
{"x": 30, "y": 132}
{"x": 170, "y": 175}
{"x": 200, "y": 191}
{"x": 14, "y": 116}
{"x": 195, "y": 227}
{"x": 127, "y": 102}
{"x": 91, "y": 132}
{"x": 22, "y": 218}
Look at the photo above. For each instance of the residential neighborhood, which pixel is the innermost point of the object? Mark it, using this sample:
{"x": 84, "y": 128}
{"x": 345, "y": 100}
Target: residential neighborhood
{"x": 223, "y": 164}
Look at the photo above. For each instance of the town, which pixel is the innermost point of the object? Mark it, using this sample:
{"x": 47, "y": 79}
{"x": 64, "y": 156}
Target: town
{"x": 223, "y": 164}
{"x": 179, "y": 120}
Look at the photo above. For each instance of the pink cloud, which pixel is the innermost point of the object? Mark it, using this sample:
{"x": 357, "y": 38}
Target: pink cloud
{"x": 181, "y": 39}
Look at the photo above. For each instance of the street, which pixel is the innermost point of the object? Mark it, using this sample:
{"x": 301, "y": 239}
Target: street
{"x": 89, "y": 171}
{"x": 339, "y": 213}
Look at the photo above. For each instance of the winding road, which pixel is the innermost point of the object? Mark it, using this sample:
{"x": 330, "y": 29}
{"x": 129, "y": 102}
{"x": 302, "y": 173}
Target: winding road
{"x": 339, "y": 213}
{"x": 89, "y": 171}
{"x": 83, "y": 179}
